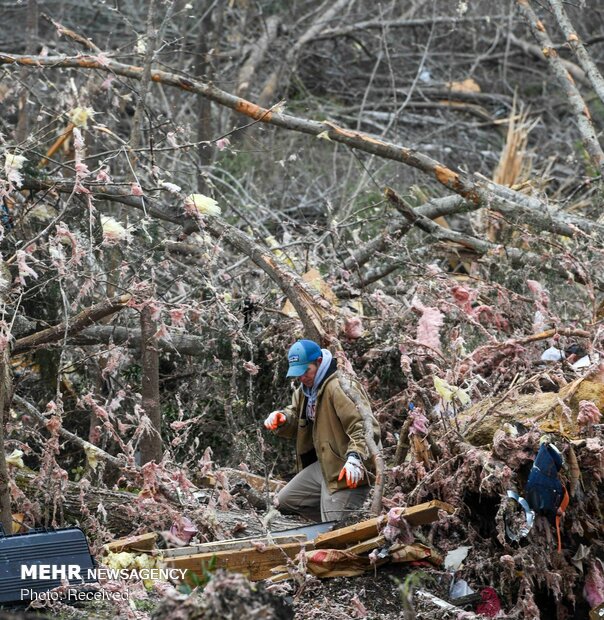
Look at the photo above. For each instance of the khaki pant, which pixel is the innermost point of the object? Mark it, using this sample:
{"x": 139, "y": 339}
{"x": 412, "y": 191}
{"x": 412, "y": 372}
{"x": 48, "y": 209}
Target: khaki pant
{"x": 307, "y": 494}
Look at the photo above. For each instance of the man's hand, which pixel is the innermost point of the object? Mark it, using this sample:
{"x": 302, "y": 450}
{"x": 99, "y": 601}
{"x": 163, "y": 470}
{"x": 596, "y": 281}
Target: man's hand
{"x": 275, "y": 420}
{"x": 353, "y": 470}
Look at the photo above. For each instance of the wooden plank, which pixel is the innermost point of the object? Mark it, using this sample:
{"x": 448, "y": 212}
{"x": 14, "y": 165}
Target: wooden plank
{"x": 425, "y": 513}
{"x": 252, "y": 562}
{"x": 351, "y": 535}
{"x": 143, "y": 542}
{"x": 230, "y": 545}
{"x": 367, "y": 545}
{"x": 360, "y": 532}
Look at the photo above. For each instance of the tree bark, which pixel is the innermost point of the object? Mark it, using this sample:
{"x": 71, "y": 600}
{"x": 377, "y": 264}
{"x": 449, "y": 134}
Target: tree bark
{"x": 6, "y": 393}
{"x": 6, "y": 386}
{"x": 25, "y": 107}
{"x": 204, "y": 70}
{"x": 136, "y": 134}
{"x": 345, "y": 373}
{"x": 572, "y": 38}
{"x": 151, "y": 444}
{"x": 184, "y": 344}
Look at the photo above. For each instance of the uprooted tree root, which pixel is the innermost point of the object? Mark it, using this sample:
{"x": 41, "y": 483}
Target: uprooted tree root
{"x": 529, "y": 574}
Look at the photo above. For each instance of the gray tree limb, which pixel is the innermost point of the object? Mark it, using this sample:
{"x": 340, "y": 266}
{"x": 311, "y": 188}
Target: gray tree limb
{"x": 567, "y": 84}
{"x": 184, "y": 344}
{"x": 80, "y": 321}
{"x": 572, "y": 38}
{"x": 471, "y": 187}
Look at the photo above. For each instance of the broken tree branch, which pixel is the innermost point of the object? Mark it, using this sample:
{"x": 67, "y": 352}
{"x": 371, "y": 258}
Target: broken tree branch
{"x": 471, "y": 188}
{"x": 572, "y": 38}
{"x": 567, "y": 84}
{"x": 481, "y": 247}
{"x": 80, "y": 321}
{"x": 309, "y": 305}
{"x": 183, "y": 344}
{"x": 29, "y": 409}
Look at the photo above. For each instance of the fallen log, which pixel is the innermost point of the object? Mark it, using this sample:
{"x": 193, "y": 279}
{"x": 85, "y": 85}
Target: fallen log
{"x": 124, "y": 513}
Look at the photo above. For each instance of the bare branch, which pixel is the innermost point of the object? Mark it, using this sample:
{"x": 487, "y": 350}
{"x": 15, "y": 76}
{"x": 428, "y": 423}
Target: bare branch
{"x": 566, "y": 82}
{"x": 517, "y": 257}
{"x": 184, "y": 344}
{"x": 472, "y": 189}
{"x": 572, "y": 38}
{"x": 536, "y": 52}
{"x": 80, "y": 321}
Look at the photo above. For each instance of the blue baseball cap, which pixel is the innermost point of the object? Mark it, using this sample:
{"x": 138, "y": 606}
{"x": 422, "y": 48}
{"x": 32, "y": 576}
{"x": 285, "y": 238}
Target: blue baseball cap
{"x": 300, "y": 355}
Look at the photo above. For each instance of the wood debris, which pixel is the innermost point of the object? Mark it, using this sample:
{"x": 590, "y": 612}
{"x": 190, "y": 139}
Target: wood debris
{"x": 342, "y": 549}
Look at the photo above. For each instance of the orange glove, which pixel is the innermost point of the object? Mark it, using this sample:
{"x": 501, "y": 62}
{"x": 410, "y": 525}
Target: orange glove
{"x": 353, "y": 470}
{"x": 275, "y": 420}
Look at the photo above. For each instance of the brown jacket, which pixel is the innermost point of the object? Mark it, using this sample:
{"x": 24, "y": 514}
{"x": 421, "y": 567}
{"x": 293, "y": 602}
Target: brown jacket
{"x": 337, "y": 429}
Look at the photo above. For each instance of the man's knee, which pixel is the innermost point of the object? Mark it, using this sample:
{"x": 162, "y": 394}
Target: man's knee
{"x": 284, "y": 502}
{"x": 343, "y": 503}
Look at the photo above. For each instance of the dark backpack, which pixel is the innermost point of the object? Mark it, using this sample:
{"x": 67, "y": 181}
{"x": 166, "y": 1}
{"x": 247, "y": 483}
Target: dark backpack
{"x": 544, "y": 491}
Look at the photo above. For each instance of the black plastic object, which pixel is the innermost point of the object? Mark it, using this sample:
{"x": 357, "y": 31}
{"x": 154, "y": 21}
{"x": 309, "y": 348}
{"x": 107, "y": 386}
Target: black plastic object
{"x": 41, "y": 560}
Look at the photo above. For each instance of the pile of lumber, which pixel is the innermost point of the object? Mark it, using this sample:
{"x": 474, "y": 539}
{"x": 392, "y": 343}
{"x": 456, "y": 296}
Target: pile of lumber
{"x": 257, "y": 558}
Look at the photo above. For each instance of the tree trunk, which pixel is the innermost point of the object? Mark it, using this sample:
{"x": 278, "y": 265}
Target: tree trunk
{"x": 25, "y": 107}
{"x": 6, "y": 394}
{"x": 5, "y": 398}
{"x": 375, "y": 451}
{"x": 151, "y": 445}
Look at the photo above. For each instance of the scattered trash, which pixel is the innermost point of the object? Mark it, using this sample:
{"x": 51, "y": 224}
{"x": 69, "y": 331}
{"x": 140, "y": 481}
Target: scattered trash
{"x": 553, "y": 354}
{"x": 517, "y": 527}
{"x": 455, "y": 558}
{"x": 490, "y": 605}
{"x": 459, "y": 588}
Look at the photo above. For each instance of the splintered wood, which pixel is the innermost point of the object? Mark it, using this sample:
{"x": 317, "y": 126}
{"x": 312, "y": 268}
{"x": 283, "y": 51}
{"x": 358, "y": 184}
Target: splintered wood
{"x": 421, "y": 514}
{"x": 143, "y": 542}
{"x": 255, "y": 563}
{"x": 255, "y": 558}
{"x": 233, "y": 545}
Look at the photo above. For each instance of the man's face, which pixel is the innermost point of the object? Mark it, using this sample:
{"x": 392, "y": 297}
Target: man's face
{"x": 308, "y": 378}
